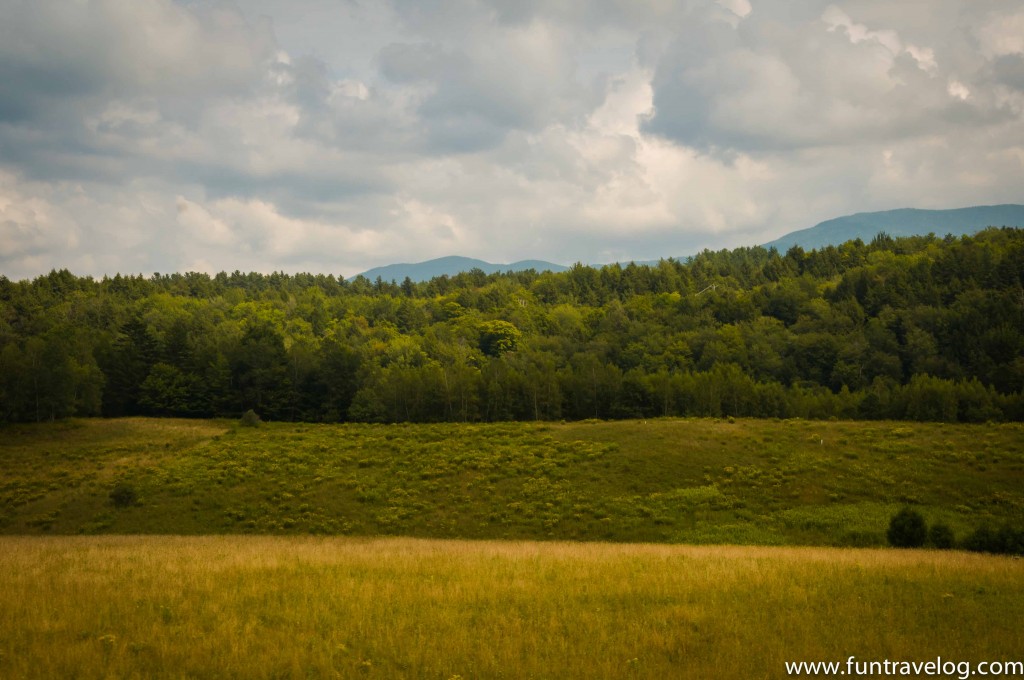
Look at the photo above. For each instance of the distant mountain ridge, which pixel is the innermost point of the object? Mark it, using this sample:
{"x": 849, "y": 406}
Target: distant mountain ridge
{"x": 901, "y": 222}
{"x": 865, "y": 226}
{"x": 452, "y": 265}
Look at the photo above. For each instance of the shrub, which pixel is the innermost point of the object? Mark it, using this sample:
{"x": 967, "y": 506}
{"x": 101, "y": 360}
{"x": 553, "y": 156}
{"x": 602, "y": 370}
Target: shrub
{"x": 981, "y": 539}
{"x": 123, "y": 495}
{"x": 249, "y": 419}
{"x": 941, "y": 536}
{"x": 1011, "y": 540}
{"x": 1007, "y": 540}
{"x": 907, "y": 529}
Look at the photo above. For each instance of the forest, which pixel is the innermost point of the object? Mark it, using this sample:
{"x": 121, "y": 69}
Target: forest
{"x": 922, "y": 328}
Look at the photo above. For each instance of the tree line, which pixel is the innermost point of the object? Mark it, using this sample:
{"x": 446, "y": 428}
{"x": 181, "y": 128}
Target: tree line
{"x": 920, "y": 328}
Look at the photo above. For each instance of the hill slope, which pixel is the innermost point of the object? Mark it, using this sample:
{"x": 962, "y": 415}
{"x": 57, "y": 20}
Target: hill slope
{"x": 902, "y": 222}
{"x": 666, "y": 480}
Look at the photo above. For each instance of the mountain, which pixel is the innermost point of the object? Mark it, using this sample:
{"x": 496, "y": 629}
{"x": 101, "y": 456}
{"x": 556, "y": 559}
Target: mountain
{"x": 903, "y": 222}
{"x": 865, "y": 226}
{"x": 452, "y": 265}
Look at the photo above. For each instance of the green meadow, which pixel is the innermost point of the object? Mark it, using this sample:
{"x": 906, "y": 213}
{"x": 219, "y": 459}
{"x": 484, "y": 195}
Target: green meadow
{"x": 694, "y": 481}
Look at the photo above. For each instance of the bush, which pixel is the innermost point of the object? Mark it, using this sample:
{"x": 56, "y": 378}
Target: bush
{"x": 941, "y": 536}
{"x": 123, "y": 495}
{"x": 1011, "y": 540}
{"x": 1007, "y": 540}
{"x": 249, "y": 419}
{"x": 907, "y": 529}
{"x": 981, "y": 539}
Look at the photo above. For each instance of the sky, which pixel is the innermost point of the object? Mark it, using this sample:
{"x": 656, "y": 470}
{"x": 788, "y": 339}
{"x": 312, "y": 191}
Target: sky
{"x": 331, "y": 137}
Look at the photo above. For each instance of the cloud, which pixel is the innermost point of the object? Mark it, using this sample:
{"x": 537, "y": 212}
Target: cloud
{"x": 89, "y": 229}
{"x": 1009, "y": 71}
{"x": 29, "y": 225}
{"x": 201, "y": 134}
{"x": 1001, "y": 34}
{"x": 52, "y": 51}
{"x": 759, "y": 85}
{"x": 496, "y": 81}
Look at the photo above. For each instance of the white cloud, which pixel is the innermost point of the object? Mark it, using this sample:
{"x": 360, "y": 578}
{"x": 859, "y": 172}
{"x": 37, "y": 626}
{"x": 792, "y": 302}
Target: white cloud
{"x": 958, "y": 90}
{"x": 29, "y": 224}
{"x": 740, "y": 8}
{"x": 200, "y": 227}
{"x": 1002, "y": 34}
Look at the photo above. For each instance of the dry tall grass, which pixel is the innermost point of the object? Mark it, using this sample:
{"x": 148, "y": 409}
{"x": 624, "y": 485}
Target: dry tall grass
{"x": 302, "y": 607}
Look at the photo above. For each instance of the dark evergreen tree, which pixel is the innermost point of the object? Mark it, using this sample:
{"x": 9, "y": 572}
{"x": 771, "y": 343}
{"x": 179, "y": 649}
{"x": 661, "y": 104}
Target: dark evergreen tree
{"x": 127, "y": 366}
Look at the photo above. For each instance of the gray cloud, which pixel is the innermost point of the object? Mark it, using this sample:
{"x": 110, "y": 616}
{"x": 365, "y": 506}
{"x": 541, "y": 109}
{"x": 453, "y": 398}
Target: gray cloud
{"x": 517, "y": 78}
{"x": 1009, "y": 70}
{"x": 824, "y": 80}
{"x": 105, "y": 47}
{"x": 85, "y": 75}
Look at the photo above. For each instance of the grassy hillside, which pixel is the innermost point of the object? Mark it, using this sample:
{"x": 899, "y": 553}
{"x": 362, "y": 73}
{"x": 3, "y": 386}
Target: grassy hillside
{"x": 692, "y": 481}
{"x": 309, "y": 607}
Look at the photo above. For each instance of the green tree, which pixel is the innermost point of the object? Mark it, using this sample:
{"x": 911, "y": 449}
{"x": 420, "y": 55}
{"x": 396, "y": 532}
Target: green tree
{"x": 498, "y": 337}
{"x": 126, "y": 366}
{"x": 259, "y": 370}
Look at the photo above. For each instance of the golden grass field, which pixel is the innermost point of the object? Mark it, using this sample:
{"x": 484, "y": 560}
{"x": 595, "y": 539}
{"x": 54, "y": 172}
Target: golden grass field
{"x": 315, "y": 607}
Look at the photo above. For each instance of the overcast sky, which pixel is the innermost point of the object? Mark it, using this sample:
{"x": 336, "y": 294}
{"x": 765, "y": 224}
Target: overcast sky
{"x": 332, "y": 136}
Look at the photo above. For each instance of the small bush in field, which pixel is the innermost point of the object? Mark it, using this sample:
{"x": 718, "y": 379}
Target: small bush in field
{"x": 249, "y": 419}
{"x": 941, "y": 536}
{"x": 124, "y": 495}
{"x": 907, "y": 529}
